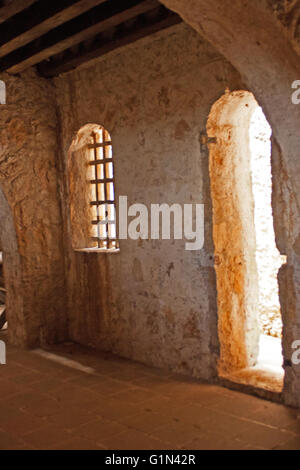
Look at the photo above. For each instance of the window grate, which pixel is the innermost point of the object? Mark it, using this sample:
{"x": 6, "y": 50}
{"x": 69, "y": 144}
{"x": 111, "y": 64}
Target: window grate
{"x": 102, "y": 187}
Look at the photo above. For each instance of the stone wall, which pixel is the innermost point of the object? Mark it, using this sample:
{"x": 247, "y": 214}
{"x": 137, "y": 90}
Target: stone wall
{"x": 154, "y": 301}
{"x": 30, "y": 214}
{"x": 288, "y": 13}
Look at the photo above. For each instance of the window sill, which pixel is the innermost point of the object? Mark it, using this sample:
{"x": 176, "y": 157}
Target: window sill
{"x": 97, "y": 250}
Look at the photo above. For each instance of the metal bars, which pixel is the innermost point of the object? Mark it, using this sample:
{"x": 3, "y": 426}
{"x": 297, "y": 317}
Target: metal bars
{"x": 102, "y": 189}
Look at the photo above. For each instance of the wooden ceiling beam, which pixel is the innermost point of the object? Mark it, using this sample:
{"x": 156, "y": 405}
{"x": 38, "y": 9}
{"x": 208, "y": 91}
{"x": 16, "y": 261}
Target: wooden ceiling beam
{"x": 39, "y": 18}
{"x": 142, "y": 27}
{"x": 9, "y": 9}
{"x": 90, "y": 24}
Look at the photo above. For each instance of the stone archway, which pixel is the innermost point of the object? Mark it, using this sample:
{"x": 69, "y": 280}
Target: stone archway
{"x": 12, "y": 274}
{"x": 245, "y": 33}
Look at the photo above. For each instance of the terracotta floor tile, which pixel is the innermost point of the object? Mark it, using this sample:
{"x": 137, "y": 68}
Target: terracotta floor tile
{"x": 133, "y": 440}
{"x": 125, "y": 405}
{"x": 47, "y": 436}
{"x": 100, "y": 429}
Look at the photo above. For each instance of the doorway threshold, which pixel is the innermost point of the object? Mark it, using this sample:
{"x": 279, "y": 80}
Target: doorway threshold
{"x": 266, "y": 379}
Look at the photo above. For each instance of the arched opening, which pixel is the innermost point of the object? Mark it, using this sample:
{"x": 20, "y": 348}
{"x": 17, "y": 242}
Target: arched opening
{"x": 10, "y": 277}
{"x": 3, "y": 317}
{"x": 246, "y": 258}
{"x": 268, "y": 258}
{"x": 92, "y": 191}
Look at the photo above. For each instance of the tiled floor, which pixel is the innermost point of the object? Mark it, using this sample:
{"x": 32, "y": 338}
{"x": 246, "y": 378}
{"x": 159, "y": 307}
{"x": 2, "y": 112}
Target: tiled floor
{"x": 116, "y": 404}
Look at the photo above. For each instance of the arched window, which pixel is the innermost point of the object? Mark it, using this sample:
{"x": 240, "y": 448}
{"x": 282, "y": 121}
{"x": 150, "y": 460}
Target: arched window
{"x": 91, "y": 190}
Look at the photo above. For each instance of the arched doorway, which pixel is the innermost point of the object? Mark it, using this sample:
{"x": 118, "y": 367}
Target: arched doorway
{"x": 11, "y": 275}
{"x": 3, "y": 320}
{"x": 245, "y": 251}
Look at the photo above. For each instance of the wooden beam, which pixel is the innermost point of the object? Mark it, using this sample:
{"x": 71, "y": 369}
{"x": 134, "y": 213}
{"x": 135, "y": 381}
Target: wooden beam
{"x": 2, "y": 316}
{"x": 10, "y": 9}
{"x": 90, "y": 24}
{"x": 143, "y": 26}
{"x": 38, "y": 19}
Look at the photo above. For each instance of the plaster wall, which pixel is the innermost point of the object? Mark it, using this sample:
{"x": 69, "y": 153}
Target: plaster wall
{"x": 154, "y": 301}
